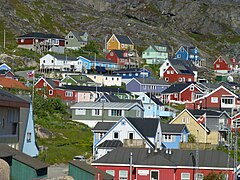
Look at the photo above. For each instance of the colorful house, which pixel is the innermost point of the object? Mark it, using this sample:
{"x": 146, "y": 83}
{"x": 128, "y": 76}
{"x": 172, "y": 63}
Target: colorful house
{"x": 4, "y": 66}
{"x": 41, "y": 42}
{"x": 225, "y": 65}
{"x": 153, "y": 107}
{"x": 167, "y": 164}
{"x": 147, "y": 85}
{"x": 219, "y": 99}
{"x": 99, "y": 64}
{"x": 52, "y": 62}
{"x": 212, "y": 130}
{"x": 78, "y": 80}
{"x": 137, "y": 132}
{"x": 90, "y": 113}
{"x": 189, "y": 53}
{"x": 12, "y": 84}
{"x": 76, "y": 40}
{"x": 174, "y": 70}
{"x": 155, "y": 54}
{"x": 13, "y": 111}
{"x": 119, "y": 42}
{"x": 181, "y": 93}
{"x": 7, "y": 74}
{"x": 105, "y": 80}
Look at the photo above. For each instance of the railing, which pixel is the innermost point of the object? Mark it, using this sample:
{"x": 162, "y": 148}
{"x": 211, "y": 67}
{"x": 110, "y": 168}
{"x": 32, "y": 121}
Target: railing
{"x": 134, "y": 143}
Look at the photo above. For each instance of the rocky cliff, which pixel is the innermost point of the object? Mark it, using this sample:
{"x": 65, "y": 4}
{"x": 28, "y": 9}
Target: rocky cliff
{"x": 211, "y": 25}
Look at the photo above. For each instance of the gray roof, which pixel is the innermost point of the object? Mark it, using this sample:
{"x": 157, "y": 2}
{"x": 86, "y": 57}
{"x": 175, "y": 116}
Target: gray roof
{"x": 172, "y": 128}
{"x": 119, "y": 53}
{"x": 103, "y": 126}
{"x": 64, "y": 58}
{"x": 178, "y": 157}
{"x": 23, "y": 158}
{"x": 154, "y": 99}
{"x": 78, "y": 35}
{"x": 199, "y": 112}
{"x": 111, "y": 144}
{"x": 113, "y": 98}
{"x": 152, "y": 81}
{"x": 52, "y": 82}
{"x": 124, "y": 39}
{"x": 41, "y": 35}
{"x": 176, "y": 88}
{"x": 91, "y": 169}
{"x": 130, "y": 70}
{"x": 11, "y": 98}
{"x": 183, "y": 67}
{"x": 107, "y": 105}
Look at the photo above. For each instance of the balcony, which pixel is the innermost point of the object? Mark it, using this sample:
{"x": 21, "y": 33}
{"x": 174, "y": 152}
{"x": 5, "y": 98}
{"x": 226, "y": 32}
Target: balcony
{"x": 134, "y": 143}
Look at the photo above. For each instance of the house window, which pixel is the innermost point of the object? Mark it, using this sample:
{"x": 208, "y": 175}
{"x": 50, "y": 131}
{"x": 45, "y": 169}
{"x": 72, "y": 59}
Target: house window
{"x": 94, "y": 77}
{"x": 168, "y": 138}
{"x": 29, "y": 137}
{"x": 218, "y": 66}
{"x": 115, "y": 135}
{"x": 66, "y": 42}
{"x": 22, "y": 40}
{"x": 198, "y": 176}
{"x": 43, "y": 61}
{"x": 68, "y": 93}
{"x": 186, "y": 120}
{"x": 70, "y": 37}
{"x": 52, "y": 61}
{"x": 80, "y": 112}
{"x": 138, "y": 113}
{"x": 116, "y": 112}
{"x": 172, "y": 72}
{"x": 214, "y": 99}
{"x": 117, "y": 79}
{"x": 122, "y": 45}
{"x": 111, "y": 172}
{"x": 136, "y": 74}
{"x": 111, "y": 54}
{"x": 113, "y": 39}
{"x": 227, "y": 101}
{"x": 167, "y": 64}
{"x": 96, "y": 112}
{"x": 124, "y": 74}
{"x": 189, "y": 80}
{"x": 185, "y": 176}
{"x": 166, "y": 79}
{"x": 179, "y": 79}
{"x": 175, "y": 95}
{"x": 143, "y": 98}
{"x": 130, "y": 135}
{"x": 154, "y": 175}
{"x": 50, "y": 92}
{"x": 123, "y": 174}
{"x": 191, "y": 88}
{"x": 149, "y": 107}
{"x": 179, "y": 56}
{"x": 168, "y": 72}
{"x": 106, "y": 78}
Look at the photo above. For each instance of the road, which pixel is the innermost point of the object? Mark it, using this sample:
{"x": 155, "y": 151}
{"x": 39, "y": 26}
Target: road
{"x": 57, "y": 170}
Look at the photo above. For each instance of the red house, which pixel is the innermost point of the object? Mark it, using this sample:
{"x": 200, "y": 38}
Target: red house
{"x": 164, "y": 164}
{"x": 219, "y": 99}
{"x": 42, "y": 42}
{"x": 118, "y": 56}
{"x": 222, "y": 65}
{"x": 179, "y": 71}
{"x": 181, "y": 92}
{"x": 7, "y": 74}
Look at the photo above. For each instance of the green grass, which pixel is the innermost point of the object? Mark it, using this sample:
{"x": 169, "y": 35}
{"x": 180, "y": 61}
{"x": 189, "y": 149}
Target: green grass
{"x": 70, "y": 139}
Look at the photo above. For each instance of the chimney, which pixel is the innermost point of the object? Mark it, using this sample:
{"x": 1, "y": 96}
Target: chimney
{"x": 170, "y": 152}
{"x": 149, "y": 151}
{"x": 166, "y": 151}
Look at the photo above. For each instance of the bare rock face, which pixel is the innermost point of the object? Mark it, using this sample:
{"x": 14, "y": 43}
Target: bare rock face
{"x": 4, "y": 170}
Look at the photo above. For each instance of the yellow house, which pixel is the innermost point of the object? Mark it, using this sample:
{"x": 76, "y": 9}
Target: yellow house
{"x": 119, "y": 42}
{"x": 202, "y": 133}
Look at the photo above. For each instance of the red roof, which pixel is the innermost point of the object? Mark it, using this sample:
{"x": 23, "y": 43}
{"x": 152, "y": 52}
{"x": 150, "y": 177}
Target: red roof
{"x": 11, "y": 83}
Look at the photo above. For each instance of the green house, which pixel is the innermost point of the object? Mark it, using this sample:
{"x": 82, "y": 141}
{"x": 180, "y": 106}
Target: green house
{"x": 80, "y": 170}
{"x": 155, "y": 54}
{"x": 76, "y": 40}
{"x": 78, "y": 80}
{"x": 22, "y": 166}
{"x": 90, "y": 113}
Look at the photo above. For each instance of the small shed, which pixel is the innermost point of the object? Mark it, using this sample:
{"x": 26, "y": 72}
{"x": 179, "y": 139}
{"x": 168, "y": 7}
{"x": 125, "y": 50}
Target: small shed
{"x": 22, "y": 166}
{"x": 80, "y": 170}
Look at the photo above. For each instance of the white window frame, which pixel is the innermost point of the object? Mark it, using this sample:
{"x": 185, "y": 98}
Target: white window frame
{"x": 217, "y": 65}
{"x": 80, "y": 112}
{"x": 96, "y": 112}
{"x": 69, "y": 94}
{"x": 154, "y": 171}
{"x": 185, "y": 178}
{"x": 198, "y": 176}
{"x": 214, "y": 99}
{"x": 123, "y": 176}
{"x": 50, "y": 92}
{"x": 172, "y": 72}
{"x": 117, "y": 112}
{"x": 116, "y": 132}
{"x": 191, "y": 88}
{"x": 111, "y": 172}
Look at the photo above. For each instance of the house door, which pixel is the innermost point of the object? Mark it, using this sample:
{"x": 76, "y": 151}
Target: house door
{"x": 154, "y": 175}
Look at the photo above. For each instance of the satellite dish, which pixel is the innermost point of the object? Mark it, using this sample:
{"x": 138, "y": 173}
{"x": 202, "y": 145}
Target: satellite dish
{"x": 230, "y": 79}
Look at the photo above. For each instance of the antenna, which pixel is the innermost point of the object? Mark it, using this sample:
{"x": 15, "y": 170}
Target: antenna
{"x": 197, "y": 153}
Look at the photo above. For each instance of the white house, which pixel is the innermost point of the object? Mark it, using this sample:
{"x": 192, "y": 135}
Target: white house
{"x": 60, "y": 63}
{"x": 106, "y": 80}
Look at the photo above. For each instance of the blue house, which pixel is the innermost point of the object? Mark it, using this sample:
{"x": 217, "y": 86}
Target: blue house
{"x": 128, "y": 74}
{"x": 153, "y": 107}
{"x": 147, "y": 85}
{"x": 136, "y": 132}
{"x": 5, "y": 67}
{"x": 99, "y": 64}
{"x": 189, "y": 53}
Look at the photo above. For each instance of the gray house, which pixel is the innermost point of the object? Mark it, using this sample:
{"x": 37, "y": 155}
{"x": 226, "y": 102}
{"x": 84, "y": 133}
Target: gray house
{"x": 76, "y": 40}
{"x": 92, "y": 112}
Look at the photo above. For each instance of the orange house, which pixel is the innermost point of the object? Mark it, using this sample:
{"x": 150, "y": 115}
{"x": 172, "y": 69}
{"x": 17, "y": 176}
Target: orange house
{"x": 119, "y": 42}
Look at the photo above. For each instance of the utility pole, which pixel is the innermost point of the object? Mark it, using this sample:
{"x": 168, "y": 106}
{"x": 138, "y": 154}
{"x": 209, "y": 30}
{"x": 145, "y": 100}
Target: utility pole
{"x": 197, "y": 157}
{"x": 4, "y": 39}
{"x": 130, "y": 165}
